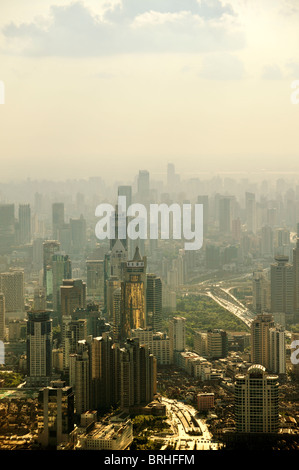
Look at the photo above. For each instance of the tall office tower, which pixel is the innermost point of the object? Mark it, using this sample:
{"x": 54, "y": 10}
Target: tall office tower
{"x": 50, "y": 247}
{"x": 177, "y": 335}
{"x": 39, "y": 348}
{"x": 57, "y": 218}
{"x": 217, "y": 343}
{"x": 79, "y": 377}
{"x": 25, "y": 223}
{"x": 2, "y": 317}
{"x": 261, "y": 298}
{"x": 225, "y": 215}
{"x": 133, "y": 292}
{"x": 101, "y": 371}
{"x": 7, "y": 228}
{"x": 55, "y": 414}
{"x": 277, "y": 350}
{"x": 256, "y": 401}
{"x": 72, "y": 331}
{"x": 95, "y": 279}
{"x": 12, "y": 287}
{"x": 267, "y": 242}
{"x": 78, "y": 231}
{"x": 250, "y": 209}
{"x": 154, "y": 301}
{"x": 137, "y": 374}
{"x": 236, "y": 229}
{"x": 296, "y": 280}
{"x": 204, "y": 200}
{"x": 73, "y": 296}
{"x": 61, "y": 269}
{"x": 143, "y": 187}
{"x": 260, "y": 339}
{"x": 282, "y": 288}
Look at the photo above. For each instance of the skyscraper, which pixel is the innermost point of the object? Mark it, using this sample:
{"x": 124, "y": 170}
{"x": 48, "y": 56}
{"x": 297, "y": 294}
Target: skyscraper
{"x": 217, "y": 343}
{"x": 57, "y": 218}
{"x": 154, "y": 301}
{"x": 133, "y": 291}
{"x": 12, "y": 286}
{"x": 2, "y": 317}
{"x": 250, "y": 208}
{"x": 282, "y": 287}
{"x": 143, "y": 186}
{"x": 277, "y": 350}
{"x": 296, "y": 280}
{"x": 25, "y": 223}
{"x": 61, "y": 269}
{"x": 260, "y": 339}
{"x": 95, "y": 279}
{"x": 225, "y": 215}
{"x": 177, "y": 335}
{"x": 78, "y": 233}
{"x": 39, "y": 348}
{"x": 73, "y": 296}
{"x": 256, "y": 401}
{"x": 7, "y": 228}
{"x": 55, "y": 414}
{"x": 50, "y": 247}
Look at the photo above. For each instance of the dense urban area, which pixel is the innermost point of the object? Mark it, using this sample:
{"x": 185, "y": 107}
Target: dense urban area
{"x": 141, "y": 344}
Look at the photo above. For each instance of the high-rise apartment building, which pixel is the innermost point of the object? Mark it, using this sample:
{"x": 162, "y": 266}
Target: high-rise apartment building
{"x": 277, "y": 350}
{"x": 12, "y": 287}
{"x": 39, "y": 348}
{"x": 260, "y": 339}
{"x": 177, "y": 335}
{"x": 217, "y": 343}
{"x": 55, "y": 414}
{"x": 256, "y": 401}
{"x": 261, "y": 292}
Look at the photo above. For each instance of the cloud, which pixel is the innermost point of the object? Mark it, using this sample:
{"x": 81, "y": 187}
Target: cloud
{"x": 223, "y": 66}
{"x": 155, "y": 26}
{"x": 129, "y": 9}
{"x": 272, "y": 72}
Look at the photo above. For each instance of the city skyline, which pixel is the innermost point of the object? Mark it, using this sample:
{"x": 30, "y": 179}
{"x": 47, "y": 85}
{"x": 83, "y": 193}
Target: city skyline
{"x": 94, "y": 86}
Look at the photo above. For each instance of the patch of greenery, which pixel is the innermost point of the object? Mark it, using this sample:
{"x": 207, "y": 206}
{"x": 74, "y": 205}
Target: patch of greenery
{"x": 11, "y": 379}
{"x": 144, "y": 423}
{"x": 203, "y": 313}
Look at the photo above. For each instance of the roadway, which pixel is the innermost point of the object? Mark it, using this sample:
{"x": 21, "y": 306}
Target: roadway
{"x": 185, "y": 419}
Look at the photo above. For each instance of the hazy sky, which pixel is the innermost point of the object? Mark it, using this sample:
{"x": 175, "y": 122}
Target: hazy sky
{"x": 97, "y": 86}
